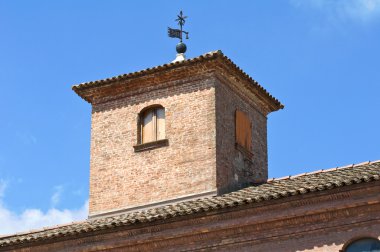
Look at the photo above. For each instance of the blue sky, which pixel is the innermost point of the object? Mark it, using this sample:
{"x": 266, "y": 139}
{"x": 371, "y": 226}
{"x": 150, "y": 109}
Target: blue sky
{"x": 318, "y": 57}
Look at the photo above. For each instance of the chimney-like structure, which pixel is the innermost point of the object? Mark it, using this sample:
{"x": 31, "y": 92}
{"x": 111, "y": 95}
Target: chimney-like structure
{"x": 188, "y": 129}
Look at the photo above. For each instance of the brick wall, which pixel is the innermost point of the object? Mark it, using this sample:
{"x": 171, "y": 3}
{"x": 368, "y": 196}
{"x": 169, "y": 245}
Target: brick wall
{"x": 121, "y": 178}
{"x": 200, "y": 104}
{"x": 235, "y": 169}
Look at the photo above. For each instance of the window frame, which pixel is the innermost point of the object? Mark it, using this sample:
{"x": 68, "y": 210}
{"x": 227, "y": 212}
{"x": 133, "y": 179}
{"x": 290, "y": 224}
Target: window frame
{"x": 155, "y": 143}
{"x": 246, "y": 150}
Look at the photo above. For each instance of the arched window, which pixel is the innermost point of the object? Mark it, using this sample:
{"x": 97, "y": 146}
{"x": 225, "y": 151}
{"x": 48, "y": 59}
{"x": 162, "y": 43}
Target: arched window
{"x": 364, "y": 245}
{"x": 151, "y": 124}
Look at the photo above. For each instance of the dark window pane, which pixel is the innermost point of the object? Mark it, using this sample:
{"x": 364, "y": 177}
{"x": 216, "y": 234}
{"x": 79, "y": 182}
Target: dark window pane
{"x": 364, "y": 245}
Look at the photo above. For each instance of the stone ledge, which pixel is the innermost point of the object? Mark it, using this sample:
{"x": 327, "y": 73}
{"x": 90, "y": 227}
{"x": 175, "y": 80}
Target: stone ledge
{"x": 146, "y": 207}
{"x": 151, "y": 145}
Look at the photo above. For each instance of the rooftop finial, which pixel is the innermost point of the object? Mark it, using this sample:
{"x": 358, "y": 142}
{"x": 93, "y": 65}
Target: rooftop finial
{"x": 177, "y": 33}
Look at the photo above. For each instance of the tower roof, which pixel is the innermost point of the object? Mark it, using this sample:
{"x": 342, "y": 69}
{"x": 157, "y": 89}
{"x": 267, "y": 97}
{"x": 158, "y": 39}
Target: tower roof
{"x": 90, "y": 91}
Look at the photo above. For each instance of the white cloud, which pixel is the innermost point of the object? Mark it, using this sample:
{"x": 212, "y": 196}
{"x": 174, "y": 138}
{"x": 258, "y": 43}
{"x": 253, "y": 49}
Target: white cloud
{"x": 56, "y": 197}
{"x": 11, "y": 222}
{"x": 364, "y": 10}
{"x": 35, "y": 218}
{"x": 359, "y": 10}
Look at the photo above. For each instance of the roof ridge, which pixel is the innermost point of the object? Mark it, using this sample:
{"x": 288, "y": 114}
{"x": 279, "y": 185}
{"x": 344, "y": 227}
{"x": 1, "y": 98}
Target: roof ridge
{"x": 43, "y": 229}
{"x": 275, "y": 103}
{"x": 207, "y": 54}
{"x": 323, "y": 171}
{"x": 249, "y": 195}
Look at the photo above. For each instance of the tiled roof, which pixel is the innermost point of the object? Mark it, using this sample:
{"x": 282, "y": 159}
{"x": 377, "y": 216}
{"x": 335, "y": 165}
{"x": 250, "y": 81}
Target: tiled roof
{"x": 272, "y": 190}
{"x": 201, "y": 58}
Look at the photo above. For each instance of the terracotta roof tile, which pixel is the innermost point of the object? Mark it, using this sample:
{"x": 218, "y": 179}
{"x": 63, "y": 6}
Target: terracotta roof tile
{"x": 272, "y": 190}
{"x": 211, "y": 55}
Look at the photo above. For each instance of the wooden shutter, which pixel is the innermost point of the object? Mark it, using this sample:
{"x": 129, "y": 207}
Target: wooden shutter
{"x": 243, "y": 130}
{"x": 160, "y": 117}
{"x": 147, "y": 127}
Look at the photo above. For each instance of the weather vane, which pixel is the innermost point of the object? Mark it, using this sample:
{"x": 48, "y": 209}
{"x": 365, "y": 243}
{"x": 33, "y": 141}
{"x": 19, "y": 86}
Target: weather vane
{"x": 177, "y": 33}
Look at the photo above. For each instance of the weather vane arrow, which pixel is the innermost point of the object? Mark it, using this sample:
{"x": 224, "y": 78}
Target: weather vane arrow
{"x": 177, "y": 33}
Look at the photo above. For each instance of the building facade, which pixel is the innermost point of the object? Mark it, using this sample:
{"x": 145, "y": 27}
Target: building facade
{"x": 179, "y": 163}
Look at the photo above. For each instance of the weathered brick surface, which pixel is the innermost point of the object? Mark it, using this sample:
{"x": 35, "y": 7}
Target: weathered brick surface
{"x": 235, "y": 168}
{"x": 200, "y": 103}
{"x": 121, "y": 178}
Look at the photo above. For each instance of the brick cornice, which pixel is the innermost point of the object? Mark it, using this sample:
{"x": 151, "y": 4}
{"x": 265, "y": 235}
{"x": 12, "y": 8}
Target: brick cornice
{"x": 214, "y": 61}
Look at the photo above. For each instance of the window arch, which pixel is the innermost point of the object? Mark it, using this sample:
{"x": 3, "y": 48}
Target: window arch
{"x": 151, "y": 124}
{"x": 363, "y": 245}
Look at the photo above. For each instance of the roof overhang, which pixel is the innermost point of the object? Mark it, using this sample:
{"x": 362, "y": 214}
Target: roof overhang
{"x": 210, "y": 62}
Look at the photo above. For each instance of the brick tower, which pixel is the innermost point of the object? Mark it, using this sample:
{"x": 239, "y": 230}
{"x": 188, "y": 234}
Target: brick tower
{"x": 183, "y": 130}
